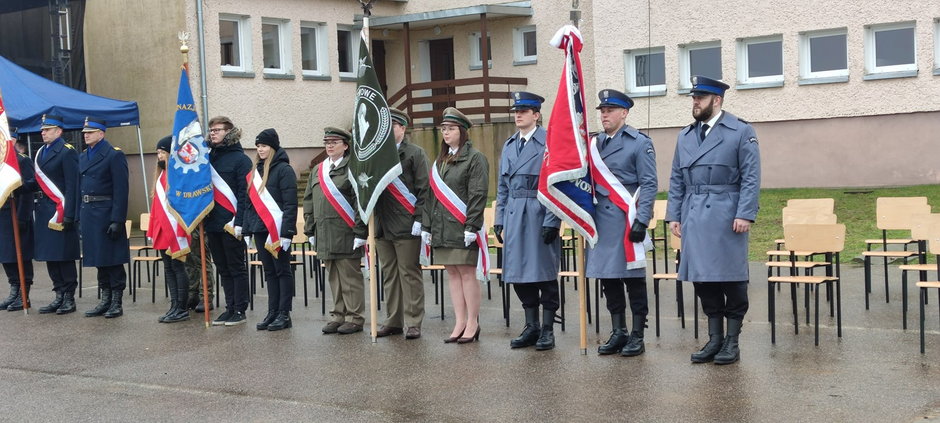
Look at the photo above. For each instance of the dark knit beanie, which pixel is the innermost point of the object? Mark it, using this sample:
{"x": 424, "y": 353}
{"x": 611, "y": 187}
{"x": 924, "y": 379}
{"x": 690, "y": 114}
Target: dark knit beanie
{"x": 269, "y": 137}
{"x": 165, "y": 143}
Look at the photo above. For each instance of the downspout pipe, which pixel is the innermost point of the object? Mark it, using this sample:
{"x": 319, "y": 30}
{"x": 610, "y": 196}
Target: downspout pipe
{"x": 202, "y": 61}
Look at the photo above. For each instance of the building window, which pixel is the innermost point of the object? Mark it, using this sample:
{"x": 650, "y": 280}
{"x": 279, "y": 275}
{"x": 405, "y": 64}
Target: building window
{"x": 524, "y": 46}
{"x": 890, "y": 48}
{"x": 275, "y": 45}
{"x": 936, "y": 46}
{"x": 760, "y": 61}
{"x": 699, "y": 59}
{"x": 313, "y": 51}
{"x": 476, "y": 46}
{"x": 347, "y": 53}
{"x": 235, "y": 43}
{"x": 645, "y": 70}
{"x": 824, "y": 55}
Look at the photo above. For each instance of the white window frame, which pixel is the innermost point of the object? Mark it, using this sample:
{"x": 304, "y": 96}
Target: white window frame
{"x": 243, "y": 33}
{"x": 936, "y": 46}
{"x": 629, "y": 65}
{"x": 476, "y": 61}
{"x": 284, "y": 46}
{"x": 744, "y": 77}
{"x": 685, "y": 68}
{"x": 353, "y": 51}
{"x": 322, "y": 52}
{"x": 806, "y": 65}
{"x": 870, "y": 53}
{"x": 518, "y": 38}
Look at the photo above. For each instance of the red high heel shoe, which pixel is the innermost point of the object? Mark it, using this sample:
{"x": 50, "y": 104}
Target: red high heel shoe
{"x": 475, "y": 337}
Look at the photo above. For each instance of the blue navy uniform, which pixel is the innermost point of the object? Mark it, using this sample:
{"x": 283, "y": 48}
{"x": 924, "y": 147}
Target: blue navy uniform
{"x": 104, "y": 201}
{"x": 23, "y": 198}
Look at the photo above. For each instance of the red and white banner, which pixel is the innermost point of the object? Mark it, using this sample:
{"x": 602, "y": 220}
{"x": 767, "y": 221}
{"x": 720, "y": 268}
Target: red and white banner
{"x": 458, "y": 209}
{"x": 336, "y": 199}
{"x": 49, "y": 189}
{"x": 225, "y": 197}
{"x": 634, "y": 252}
{"x": 179, "y": 239}
{"x": 10, "y": 178}
{"x": 267, "y": 209}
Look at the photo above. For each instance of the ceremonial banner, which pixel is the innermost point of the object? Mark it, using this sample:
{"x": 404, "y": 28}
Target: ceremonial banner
{"x": 565, "y": 181}
{"x": 160, "y": 219}
{"x": 373, "y": 161}
{"x": 9, "y": 167}
{"x": 189, "y": 194}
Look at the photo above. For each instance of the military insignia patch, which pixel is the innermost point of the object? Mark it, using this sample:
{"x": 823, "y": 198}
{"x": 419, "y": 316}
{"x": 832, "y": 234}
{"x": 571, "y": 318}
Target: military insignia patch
{"x": 650, "y": 151}
{"x": 753, "y": 140}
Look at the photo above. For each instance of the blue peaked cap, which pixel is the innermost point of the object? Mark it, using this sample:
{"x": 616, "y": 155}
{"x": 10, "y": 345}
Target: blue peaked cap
{"x": 705, "y": 85}
{"x": 614, "y": 98}
{"x": 525, "y": 100}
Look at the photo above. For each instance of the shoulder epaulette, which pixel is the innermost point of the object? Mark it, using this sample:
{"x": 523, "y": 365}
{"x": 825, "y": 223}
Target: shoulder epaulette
{"x": 742, "y": 120}
{"x": 22, "y": 155}
{"x": 116, "y": 148}
{"x": 67, "y": 145}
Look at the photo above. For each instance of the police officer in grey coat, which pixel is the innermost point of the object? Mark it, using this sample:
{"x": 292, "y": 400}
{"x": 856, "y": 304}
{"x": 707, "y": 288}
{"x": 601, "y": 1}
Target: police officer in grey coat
{"x": 531, "y": 248}
{"x": 713, "y": 194}
{"x": 630, "y": 156}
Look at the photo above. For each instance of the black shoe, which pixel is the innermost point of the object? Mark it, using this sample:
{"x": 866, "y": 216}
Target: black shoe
{"x": 716, "y": 336}
{"x": 102, "y": 306}
{"x": 14, "y": 294}
{"x": 174, "y": 307}
{"x": 192, "y": 302}
{"x": 68, "y": 304}
{"x": 17, "y": 303}
{"x": 179, "y": 316}
{"x": 730, "y": 352}
{"x": 281, "y": 322}
{"x": 634, "y": 345}
{"x": 530, "y": 334}
{"x": 618, "y": 336}
{"x": 263, "y": 325}
{"x": 116, "y": 309}
{"x": 237, "y": 318}
{"x": 219, "y": 321}
{"x": 547, "y": 337}
{"x": 54, "y": 305}
{"x": 201, "y": 307}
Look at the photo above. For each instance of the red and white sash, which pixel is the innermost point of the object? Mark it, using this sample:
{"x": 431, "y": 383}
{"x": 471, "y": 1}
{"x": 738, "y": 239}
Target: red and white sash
{"x": 404, "y": 196}
{"x": 225, "y": 197}
{"x": 267, "y": 209}
{"x": 50, "y": 190}
{"x": 458, "y": 209}
{"x": 336, "y": 199}
{"x": 179, "y": 241}
{"x": 634, "y": 252}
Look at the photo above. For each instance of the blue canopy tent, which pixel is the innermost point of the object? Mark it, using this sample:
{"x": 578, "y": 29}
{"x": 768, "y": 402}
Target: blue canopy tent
{"x": 27, "y": 96}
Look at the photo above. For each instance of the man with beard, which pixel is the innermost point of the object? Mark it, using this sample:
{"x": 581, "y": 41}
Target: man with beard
{"x": 713, "y": 200}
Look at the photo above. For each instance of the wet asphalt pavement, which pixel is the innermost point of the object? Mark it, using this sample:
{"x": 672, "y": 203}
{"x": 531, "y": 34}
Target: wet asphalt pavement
{"x": 75, "y": 368}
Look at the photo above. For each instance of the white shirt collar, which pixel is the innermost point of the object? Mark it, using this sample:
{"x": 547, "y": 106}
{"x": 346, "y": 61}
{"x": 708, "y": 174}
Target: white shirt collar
{"x": 711, "y": 122}
{"x": 453, "y": 151}
{"x": 330, "y": 162}
{"x": 528, "y": 136}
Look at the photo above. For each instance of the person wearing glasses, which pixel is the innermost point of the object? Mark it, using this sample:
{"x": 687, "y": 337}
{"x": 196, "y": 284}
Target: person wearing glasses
{"x": 453, "y": 219}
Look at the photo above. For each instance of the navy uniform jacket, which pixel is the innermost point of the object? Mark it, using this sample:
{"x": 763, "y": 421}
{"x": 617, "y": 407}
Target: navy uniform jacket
{"x": 104, "y": 173}
{"x": 711, "y": 185}
{"x": 630, "y": 156}
{"x": 526, "y": 258}
{"x": 60, "y": 164}
{"x": 23, "y": 197}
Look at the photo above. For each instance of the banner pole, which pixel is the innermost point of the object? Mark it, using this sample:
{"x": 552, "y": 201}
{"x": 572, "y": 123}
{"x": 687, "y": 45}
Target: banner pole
{"x": 582, "y": 294}
{"x": 19, "y": 255}
{"x": 205, "y": 282}
{"x": 373, "y": 283}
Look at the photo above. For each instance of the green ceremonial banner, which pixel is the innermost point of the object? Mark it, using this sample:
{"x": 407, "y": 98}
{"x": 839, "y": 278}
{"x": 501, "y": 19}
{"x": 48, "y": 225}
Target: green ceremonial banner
{"x": 373, "y": 161}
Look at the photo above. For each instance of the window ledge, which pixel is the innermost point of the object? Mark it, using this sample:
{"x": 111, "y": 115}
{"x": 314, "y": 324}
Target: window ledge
{"x": 345, "y": 78}
{"x": 889, "y": 75}
{"x": 823, "y": 80}
{"x": 524, "y": 62}
{"x": 480, "y": 67}
{"x": 647, "y": 93}
{"x": 936, "y": 71}
{"x": 684, "y": 91}
{"x": 237, "y": 74}
{"x": 278, "y": 75}
{"x": 758, "y": 85}
{"x": 318, "y": 78}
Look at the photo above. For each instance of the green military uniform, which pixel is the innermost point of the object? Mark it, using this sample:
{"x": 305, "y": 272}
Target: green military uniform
{"x": 194, "y": 274}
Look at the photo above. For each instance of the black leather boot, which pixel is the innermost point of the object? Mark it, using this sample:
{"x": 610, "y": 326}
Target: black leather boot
{"x": 54, "y": 305}
{"x": 730, "y": 352}
{"x": 716, "y": 336}
{"x": 530, "y": 334}
{"x": 281, "y": 322}
{"x": 618, "y": 336}
{"x": 116, "y": 309}
{"x": 14, "y": 294}
{"x": 174, "y": 307}
{"x": 264, "y": 323}
{"x": 181, "y": 313}
{"x": 103, "y": 305}
{"x": 547, "y": 338}
{"x": 17, "y": 303}
{"x": 68, "y": 303}
{"x": 635, "y": 344}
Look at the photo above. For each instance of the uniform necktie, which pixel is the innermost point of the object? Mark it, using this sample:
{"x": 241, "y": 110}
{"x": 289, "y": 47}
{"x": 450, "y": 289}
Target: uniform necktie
{"x": 332, "y": 166}
{"x": 702, "y": 134}
{"x": 521, "y": 144}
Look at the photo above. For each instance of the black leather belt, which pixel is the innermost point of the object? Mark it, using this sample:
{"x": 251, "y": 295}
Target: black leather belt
{"x": 523, "y": 193}
{"x": 713, "y": 189}
{"x": 95, "y": 198}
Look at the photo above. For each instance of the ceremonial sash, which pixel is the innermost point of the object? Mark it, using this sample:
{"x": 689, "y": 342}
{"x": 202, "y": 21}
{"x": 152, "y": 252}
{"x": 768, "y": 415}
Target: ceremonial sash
{"x": 179, "y": 240}
{"x": 458, "y": 209}
{"x": 336, "y": 199}
{"x": 634, "y": 252}
{"x": 50, "y": 190}
{"x": 404, "y": 196}
{"x": 267, "y": 209}
{"x": 225, "y": 197}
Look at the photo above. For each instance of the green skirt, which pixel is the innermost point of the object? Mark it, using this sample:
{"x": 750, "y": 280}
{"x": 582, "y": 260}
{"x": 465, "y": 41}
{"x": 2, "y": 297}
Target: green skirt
{"x": 456, "y": 256}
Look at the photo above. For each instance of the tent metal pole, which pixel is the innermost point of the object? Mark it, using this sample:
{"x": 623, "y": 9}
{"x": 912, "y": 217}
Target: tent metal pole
{"x": 29, "y": 145}
{"x": 143, "y": 167}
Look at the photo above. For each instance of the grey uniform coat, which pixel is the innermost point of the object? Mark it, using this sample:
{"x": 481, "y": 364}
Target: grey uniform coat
{"x": 712, "y": 184}
{"x": 631, "y": 158}
{"x": 334, "y": 238}
{"x": 526, "y": 258}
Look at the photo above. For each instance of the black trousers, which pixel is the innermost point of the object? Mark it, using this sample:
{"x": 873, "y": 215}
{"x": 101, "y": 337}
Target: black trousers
{"x": 228, "y": 253}
{"x": 64, "y": 275}
{"x": 616, "y": 298}
{"x": 112, "y": 277}
{"x": 177, "y": 281}
{"x": 13, "y": 273}
{"x": 278, "y": 275}
{"x": 723, "y": 299}
{"x": 532, "y": 294}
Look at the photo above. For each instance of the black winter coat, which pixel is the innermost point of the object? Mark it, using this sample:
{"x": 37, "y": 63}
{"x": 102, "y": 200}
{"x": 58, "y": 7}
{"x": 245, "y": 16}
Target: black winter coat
{"x": 232, "y": 165}
{"x": 282, "y": 185}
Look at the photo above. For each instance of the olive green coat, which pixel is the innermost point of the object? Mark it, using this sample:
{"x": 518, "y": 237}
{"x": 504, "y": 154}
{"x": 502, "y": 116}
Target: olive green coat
{"x": 334, "y": 238}
{"x": 393, "y": 221}
{"x": 468, "y": 176}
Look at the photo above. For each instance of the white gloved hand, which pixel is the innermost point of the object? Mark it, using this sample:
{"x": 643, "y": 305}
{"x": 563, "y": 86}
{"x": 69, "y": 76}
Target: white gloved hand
{"x": 426, "y": 237}
{"x": 416, "y": 229}
{"x": 285, "y": 244}
{"x": 312, "y": 240}
{"x": 358, "y": 242}
{"x": 238, "y": 232}
{"x": 469, "y": 238}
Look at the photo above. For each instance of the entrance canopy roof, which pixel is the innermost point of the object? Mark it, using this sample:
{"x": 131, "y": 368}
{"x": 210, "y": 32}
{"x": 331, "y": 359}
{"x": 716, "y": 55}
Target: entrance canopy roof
{"x": 452, "y": 16}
